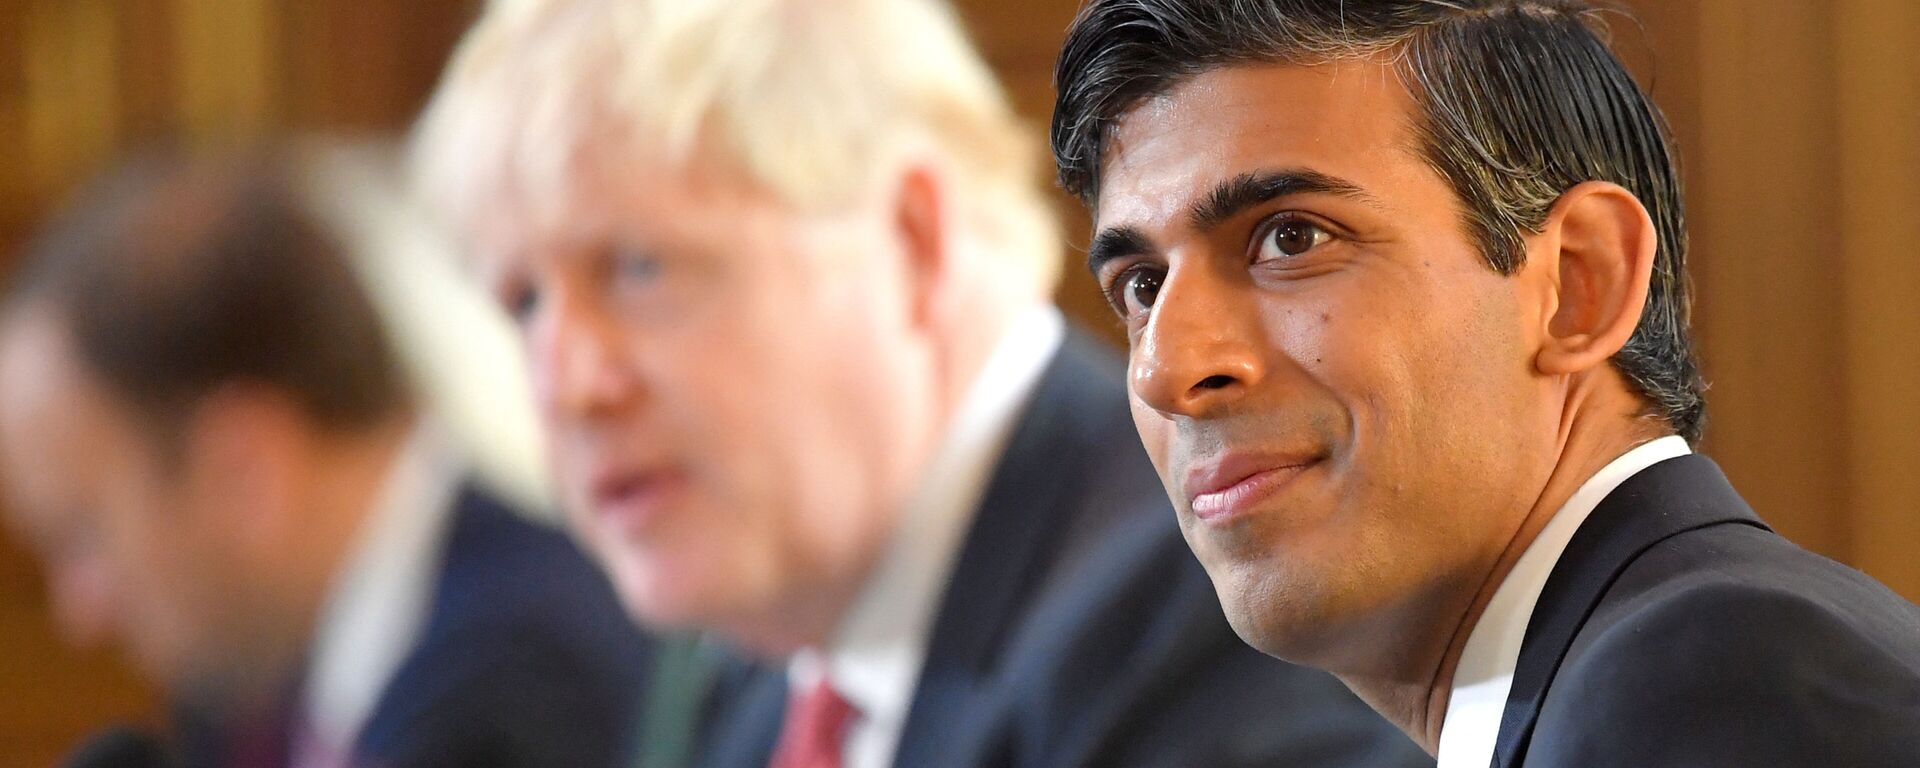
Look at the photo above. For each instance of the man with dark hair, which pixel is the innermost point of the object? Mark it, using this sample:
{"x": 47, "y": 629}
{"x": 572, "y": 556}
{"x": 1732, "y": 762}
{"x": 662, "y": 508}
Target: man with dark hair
{"x": 1404, "y": 282}
{"x": 210, "y": 439}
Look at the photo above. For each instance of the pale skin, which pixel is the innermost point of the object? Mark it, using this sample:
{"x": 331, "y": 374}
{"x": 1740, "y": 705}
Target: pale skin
{"x": 1313, "y": 331}
{"x": 739, "y": 394}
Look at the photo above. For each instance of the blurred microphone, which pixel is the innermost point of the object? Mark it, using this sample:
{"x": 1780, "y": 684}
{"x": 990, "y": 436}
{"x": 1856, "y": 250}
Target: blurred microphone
{"x": 120, "y": 748}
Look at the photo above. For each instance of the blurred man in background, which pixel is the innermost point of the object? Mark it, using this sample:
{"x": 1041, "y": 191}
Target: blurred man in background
{"x": 1406, "y": 287}
{"x": 784, "y": 269}
{"x": 210, "y": 438}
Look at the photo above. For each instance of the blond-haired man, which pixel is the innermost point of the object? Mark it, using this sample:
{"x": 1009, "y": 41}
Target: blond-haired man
{"x": 783, "y": 269}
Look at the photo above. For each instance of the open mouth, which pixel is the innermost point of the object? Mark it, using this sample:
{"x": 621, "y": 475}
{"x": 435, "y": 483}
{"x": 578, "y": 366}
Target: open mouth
{"x": 633, "y": 499}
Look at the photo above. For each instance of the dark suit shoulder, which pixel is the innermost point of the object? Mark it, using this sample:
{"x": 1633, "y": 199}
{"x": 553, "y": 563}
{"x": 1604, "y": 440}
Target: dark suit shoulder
{"x": 511, "y": 699}
{"x": 1746, "y": 566}
{"x": 1139, "y": 668}
{"x": 500, "y": 566}
{"x": 526, "y": 658}
{"x": 1728, "y": 645}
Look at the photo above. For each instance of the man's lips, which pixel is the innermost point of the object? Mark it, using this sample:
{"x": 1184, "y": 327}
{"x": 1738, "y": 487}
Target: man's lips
{"x": 633, "y": 499}
{"x": 1225, "y": 488}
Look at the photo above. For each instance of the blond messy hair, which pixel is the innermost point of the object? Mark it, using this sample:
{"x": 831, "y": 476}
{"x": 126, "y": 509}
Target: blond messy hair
{"x": 814, "y": 99}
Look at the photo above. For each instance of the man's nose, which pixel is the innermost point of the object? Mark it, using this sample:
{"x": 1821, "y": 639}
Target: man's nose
{"x": 580, "y": 368}
{"x": 1200, "y": 351}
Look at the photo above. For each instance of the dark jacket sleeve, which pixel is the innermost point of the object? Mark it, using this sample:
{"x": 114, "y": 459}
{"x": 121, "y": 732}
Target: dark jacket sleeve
{"x": 1724, "y": 673}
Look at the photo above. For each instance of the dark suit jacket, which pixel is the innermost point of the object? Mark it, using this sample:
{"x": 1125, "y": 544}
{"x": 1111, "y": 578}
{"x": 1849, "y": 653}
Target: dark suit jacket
{"x": 525, "y": 660}
{"x": 1078, "y": 630}
{"x": 1678, "y": 630}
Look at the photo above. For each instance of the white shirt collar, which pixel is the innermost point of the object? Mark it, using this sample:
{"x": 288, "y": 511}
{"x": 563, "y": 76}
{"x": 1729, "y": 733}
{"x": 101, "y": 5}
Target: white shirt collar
{"x": 379, "y": 600}
{"x": 875, "y": 657}
{"x": 1485, "y": 675}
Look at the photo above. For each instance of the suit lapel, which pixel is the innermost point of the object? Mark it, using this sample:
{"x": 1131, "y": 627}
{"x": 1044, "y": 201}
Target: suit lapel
{"x": 1666, "y": 499}
{"x": 746, "y": 704}
{"x": 1020, "y": 520}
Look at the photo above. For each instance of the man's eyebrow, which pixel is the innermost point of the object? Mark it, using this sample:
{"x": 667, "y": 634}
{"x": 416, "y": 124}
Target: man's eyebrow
{"x": 1227, "y": 199}
{"x": 1116, "y": 243}
{"x": 1246, "y": 190}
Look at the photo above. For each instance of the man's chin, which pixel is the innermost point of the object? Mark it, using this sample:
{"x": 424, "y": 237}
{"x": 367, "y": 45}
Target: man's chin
{"x": 1292, "y": 620}
{"x": 650, "y": 600}
{"x": 670, "y": 601}
{"x": 226, "y": 686}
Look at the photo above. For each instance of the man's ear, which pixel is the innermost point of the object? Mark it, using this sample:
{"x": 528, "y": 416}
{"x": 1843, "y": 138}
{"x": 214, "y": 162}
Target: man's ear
{"x": 1602, "y": 243}
{"x": 246, "y": 448}
{"x": 921, "y": 222}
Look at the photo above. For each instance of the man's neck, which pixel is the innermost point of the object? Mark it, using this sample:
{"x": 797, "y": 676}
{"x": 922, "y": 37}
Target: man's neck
{"x": 337, "y": 489}
{"x": 960, "y": 360}
{"x": 349, "y": 477}
{"x": 1595, "y": 429}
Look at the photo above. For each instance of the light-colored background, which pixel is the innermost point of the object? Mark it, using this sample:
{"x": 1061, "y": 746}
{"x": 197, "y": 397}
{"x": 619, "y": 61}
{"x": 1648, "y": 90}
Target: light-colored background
{"x": 1798, "y": 121}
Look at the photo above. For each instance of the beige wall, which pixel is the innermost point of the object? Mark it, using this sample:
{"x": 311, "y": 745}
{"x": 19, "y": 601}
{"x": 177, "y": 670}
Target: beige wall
{"x": 1799, "y": 122}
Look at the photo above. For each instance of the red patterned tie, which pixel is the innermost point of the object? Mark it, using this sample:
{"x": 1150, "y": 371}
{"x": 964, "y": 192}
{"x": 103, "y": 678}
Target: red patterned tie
{"x": 815, "y": 730}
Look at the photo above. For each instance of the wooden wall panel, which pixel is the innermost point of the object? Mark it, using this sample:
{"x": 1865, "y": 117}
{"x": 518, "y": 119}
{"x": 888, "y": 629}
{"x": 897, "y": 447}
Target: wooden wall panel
{"x": 71, "y": 113}
{"x": 15, "y": 186}
{"x": 147, "y": 50}
{"x": 1878, "y": 87}
{"x": 360, "y": 67}
{"x": 1765, "y": 246}
{"x": 1020, "y": 40}
{"x": 228, "y": 60}
{"x": 1014, "y": 32}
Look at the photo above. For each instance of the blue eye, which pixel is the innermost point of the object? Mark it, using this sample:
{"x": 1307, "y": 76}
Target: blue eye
{"x": 635, "y": 266}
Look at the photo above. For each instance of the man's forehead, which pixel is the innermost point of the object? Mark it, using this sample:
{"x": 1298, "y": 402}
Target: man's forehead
{"x": 703, "y": 210}
{"x": 608, "y": 184}
{"x": 45, "y": 401}
{"x": 35, "y": 355}
{"x": 1346, "y": 118}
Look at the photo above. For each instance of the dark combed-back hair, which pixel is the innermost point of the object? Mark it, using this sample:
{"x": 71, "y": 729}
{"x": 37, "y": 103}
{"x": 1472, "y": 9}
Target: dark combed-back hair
{"x": 175, "y": 275}
{"x": 1519, "y": 101}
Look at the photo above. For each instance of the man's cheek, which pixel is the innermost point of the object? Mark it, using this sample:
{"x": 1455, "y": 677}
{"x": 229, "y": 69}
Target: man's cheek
{"x": 1156, "y": 435}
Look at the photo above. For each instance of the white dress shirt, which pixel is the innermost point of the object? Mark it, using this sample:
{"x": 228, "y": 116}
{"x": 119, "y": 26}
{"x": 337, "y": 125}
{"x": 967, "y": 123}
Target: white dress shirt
{"x": 378, "y": 603}
{"x": 876, "y": 653}
{"x": 1485, "y": 674}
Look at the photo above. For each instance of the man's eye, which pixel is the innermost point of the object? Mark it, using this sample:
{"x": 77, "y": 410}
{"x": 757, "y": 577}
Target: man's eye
{"x": 1290, "y": 237}
{"x": 1135, "y": 290}
{"x": 635, "y": 267}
